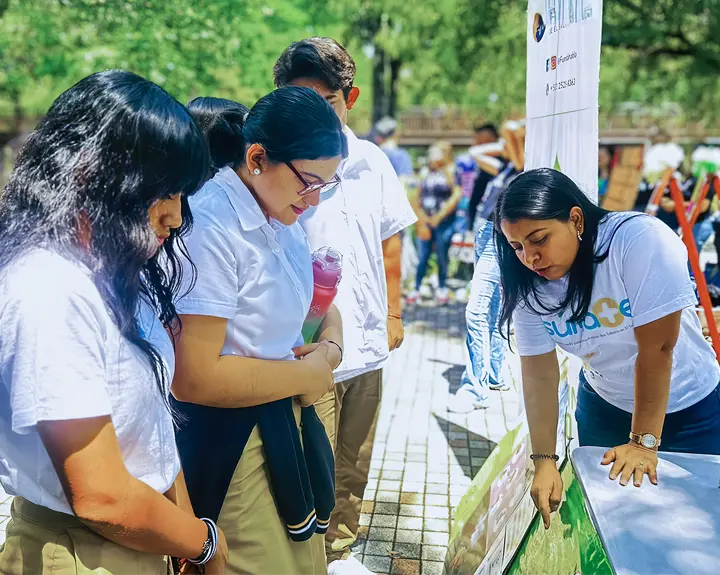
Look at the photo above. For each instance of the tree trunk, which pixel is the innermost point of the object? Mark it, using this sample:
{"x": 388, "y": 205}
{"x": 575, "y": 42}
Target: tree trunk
{"x": 395, "y": 65}
{"x": 379, "y": 105}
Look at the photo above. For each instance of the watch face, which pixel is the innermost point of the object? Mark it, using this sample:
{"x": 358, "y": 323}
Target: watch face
{"x": 648, "y": 441}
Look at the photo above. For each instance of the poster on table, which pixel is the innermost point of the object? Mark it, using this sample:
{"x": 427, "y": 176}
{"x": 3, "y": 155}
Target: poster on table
{"x": 493, "y": 519}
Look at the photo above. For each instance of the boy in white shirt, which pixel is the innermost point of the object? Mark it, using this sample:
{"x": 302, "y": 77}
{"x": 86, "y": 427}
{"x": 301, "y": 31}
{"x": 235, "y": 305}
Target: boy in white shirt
{"x": 362, "y": 218}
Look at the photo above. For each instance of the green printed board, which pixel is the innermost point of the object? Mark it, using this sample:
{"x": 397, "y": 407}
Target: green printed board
{"x": 570, "y": 547}
{"x": 489, "y": 503}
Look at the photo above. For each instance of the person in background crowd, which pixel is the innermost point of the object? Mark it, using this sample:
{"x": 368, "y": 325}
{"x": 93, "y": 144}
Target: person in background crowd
{"x": 435, "y": 203}
{"x": 86, "y": 434}
{"x": 362, "y": 218}
{"x": 703, "y": 228}
{"x": 666, "y": 212}
{"x": 474, "y": 177}
{"x": 613, "y": 289}
{"x": 385, "y": 132}
{"x": 485, "y": 345}
{"x": 247, "y": 459}
{"x": 604, "y": 165}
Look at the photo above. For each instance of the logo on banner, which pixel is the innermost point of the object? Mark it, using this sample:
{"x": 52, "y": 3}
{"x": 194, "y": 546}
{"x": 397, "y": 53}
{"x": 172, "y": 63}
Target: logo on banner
{"x": 538, "y": 27}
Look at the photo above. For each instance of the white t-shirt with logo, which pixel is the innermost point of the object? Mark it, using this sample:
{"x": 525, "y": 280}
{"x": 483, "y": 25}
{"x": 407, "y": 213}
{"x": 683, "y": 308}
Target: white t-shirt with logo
{"x": 644, "y": 278}
{"x": 61, "y": 358}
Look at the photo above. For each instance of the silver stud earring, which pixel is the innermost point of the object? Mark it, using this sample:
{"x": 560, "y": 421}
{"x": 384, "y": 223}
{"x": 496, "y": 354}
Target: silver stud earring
{"x": 256, "y": 171}
{"x": 579, "y": 236}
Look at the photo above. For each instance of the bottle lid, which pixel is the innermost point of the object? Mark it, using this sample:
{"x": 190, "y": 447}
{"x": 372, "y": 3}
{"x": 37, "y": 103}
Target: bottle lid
{"x": 327, "y": 267}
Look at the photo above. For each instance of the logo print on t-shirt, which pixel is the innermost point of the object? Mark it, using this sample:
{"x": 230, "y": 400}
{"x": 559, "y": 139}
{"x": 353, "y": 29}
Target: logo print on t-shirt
{"x": 604, "y": 313}
{"x": 609, "y": 313}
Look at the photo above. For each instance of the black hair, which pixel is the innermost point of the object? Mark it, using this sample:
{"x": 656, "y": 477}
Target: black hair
{"x": 546, "y": 194}
{"x": 492, "y": 128}
{"x": 291, "y": 123}
{"x": 221, "y": 121}
{"x": 108, "y": 148}
{"x": 322, "y": 59}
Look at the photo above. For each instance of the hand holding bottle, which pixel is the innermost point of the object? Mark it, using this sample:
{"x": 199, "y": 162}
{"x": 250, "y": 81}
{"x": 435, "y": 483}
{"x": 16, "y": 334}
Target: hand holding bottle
{"x": 319, "y": 360}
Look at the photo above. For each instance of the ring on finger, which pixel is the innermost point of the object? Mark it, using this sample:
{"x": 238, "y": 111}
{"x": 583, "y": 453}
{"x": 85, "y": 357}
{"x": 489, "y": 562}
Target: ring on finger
{"x": 641, "y": 464}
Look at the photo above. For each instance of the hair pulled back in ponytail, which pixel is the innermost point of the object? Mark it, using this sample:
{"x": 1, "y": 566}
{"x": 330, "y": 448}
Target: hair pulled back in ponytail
{"x": 291, "y": 123}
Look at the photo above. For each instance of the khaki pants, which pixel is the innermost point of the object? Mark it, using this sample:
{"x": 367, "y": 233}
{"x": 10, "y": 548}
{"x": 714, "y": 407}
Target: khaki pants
{"x": 350, "y": 421}
{"x": 257, "y": 537}
{"x": 44, "y": 542}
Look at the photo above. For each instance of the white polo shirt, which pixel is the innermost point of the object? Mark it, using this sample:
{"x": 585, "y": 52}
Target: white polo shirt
{"x": 254, "y": 273}
{"x": 368, "y": 207}
{"x": 61, "y": 358}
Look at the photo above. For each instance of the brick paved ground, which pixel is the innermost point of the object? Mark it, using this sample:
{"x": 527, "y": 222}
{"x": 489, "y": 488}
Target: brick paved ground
{"x": 424, "y": 458}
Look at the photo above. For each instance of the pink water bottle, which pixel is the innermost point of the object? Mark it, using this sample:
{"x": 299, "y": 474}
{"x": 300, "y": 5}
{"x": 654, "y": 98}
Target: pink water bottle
{"x": 327, "y": 272}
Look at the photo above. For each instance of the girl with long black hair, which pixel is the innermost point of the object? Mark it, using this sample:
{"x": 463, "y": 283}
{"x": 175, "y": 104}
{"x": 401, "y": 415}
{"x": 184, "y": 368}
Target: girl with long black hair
{"x": 90, "y": 225}
{"x": 612, "y": 289}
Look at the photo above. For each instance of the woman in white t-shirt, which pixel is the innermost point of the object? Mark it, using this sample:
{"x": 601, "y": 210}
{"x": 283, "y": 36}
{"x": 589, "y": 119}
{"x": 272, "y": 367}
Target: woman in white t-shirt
{"x": 237, "y": 375}
{"x": 86, "y": 435}
{"x": 613, "y": 289}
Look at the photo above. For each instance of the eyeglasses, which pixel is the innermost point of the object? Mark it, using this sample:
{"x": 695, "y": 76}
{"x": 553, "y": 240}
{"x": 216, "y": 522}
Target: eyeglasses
{"x": 323, "y": 187}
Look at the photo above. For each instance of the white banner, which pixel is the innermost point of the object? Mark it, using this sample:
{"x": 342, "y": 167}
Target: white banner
{"x": 563, "y": 73}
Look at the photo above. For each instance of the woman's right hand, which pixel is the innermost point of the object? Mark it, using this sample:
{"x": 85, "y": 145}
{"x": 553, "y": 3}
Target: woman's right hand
{"x": 547, "y": 489}
{"x": 320, "y": 378}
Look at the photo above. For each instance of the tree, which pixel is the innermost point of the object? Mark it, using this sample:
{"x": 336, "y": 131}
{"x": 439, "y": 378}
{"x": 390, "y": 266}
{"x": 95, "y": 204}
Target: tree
{"x": 401, "y": 35}
{"x": 190, "y": 47}
{"x": 672, "y": 50}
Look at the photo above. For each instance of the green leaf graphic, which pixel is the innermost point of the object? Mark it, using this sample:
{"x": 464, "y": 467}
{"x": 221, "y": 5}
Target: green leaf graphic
{"x": 557, "y": 164}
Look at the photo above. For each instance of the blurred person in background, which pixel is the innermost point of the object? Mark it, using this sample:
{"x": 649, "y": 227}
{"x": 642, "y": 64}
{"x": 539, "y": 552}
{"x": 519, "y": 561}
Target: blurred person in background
{"x": 474, "y": 186}
{"x": 473, "y": 177}
{"x": 435, "y": 203}
{"x": 486, "y": 347}
{"x": 385, "y": 136}
{"x": 604, "y": 166}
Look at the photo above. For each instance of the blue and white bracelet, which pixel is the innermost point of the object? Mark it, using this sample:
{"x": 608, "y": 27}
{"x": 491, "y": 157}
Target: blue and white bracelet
{"x": 210, "y": 546}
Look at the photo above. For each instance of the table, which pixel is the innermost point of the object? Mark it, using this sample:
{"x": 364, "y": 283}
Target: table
{"x": 669, "y": 529}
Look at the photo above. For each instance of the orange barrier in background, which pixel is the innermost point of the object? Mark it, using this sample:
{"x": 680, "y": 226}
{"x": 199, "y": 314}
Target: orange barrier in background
{"x": 686, "y": 224}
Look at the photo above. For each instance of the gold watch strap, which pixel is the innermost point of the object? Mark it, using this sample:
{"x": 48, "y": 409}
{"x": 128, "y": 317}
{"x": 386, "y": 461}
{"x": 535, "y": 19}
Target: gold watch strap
{"x": 637, "y": 438}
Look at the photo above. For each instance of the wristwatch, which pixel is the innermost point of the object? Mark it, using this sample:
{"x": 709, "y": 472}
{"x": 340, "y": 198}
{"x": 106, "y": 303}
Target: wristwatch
{"x": 646, "y": 440}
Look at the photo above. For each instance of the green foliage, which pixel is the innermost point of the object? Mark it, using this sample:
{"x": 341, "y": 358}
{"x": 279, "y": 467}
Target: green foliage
{"x": 191, "y": 48}
{"x": 466, "y": 53}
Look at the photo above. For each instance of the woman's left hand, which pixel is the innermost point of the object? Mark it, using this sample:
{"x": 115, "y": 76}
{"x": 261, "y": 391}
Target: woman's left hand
{"x": 632, "y": 461}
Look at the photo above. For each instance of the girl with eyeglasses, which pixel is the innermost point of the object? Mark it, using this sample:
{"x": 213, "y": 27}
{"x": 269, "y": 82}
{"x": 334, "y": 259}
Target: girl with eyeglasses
{"x": 242, "y": 389}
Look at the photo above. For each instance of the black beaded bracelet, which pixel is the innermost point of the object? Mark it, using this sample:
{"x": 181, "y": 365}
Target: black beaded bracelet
{"x": 536, "y": 456}
{"x": 210, "y": 546}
